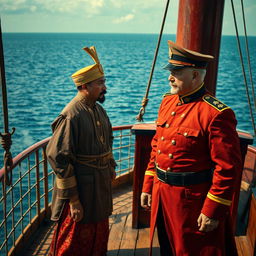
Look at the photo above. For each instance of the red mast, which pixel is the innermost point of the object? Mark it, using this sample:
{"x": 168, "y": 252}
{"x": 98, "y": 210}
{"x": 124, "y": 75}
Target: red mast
{"x": 199, "y": 29}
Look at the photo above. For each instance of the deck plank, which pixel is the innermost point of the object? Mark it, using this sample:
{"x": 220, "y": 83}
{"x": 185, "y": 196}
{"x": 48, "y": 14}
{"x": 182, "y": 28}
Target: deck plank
{"x": 142, "y": 242}
{"x": 243, "y": 246}
{"x": 129, "y": 238}
{"x": 116, "y": 233}
{"x": 42, "y": 241}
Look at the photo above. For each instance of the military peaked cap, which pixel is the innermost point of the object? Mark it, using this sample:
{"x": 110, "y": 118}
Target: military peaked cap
{"x": 180, "y": 57}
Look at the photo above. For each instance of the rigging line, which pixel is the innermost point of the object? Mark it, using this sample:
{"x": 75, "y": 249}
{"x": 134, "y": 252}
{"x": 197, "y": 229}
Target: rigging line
{"x": 145, "y": 100}
{"x": 3, "y": 85}
{"x": 248, "y": 55}
{"x": 6, "y": 140}
{"x": 242, "y": 63}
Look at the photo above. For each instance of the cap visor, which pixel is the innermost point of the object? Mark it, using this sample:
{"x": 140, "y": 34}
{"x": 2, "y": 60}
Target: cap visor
{"x": 171, "y": 67}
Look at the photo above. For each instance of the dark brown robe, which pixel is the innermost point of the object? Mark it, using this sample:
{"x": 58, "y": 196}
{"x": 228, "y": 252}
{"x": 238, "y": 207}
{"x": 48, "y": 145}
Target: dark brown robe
{"x": 79, "y": 132}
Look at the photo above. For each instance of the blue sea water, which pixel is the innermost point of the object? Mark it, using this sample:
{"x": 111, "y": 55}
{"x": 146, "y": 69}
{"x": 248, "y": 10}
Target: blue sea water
{"x": 38, "y": 69}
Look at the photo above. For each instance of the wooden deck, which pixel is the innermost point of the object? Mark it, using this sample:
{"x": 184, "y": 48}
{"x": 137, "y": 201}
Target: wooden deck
{"x": 123, "y": 240}
{"x": 246, "y": 245}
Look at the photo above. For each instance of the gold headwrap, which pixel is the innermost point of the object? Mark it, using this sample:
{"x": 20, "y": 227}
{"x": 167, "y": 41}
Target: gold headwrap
{"x": 89, "y": 73}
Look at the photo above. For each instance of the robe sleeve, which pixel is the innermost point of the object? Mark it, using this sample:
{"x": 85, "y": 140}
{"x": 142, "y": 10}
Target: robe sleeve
{"x": 226, "y": 156}
{"x": 61, "y": 155}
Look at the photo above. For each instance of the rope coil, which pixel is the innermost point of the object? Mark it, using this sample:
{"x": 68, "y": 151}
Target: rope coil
{"x": 6, "y": 142}
{"x": 144, "y": 103}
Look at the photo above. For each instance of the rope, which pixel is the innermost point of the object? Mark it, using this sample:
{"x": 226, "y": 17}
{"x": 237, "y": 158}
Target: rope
{"x": 6, "y": 136}
{"x": 6, "y": 142}
{"x": 243, "y": 69}
{"x": 248, "y": 55}
{"x": 145, "y": 99}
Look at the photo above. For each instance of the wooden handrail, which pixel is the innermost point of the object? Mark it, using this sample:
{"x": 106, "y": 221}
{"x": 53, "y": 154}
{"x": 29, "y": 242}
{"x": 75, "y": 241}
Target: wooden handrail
{"x": 24, "y": 154}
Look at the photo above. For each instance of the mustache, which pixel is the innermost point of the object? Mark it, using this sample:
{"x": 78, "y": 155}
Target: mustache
{"x": 103, "y": 92}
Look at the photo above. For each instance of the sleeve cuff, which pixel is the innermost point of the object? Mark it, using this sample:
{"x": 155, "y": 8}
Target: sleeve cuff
{"x": 66, "y": 183}
{"x": 214, "y": 209}
{"x": 148, "y": 184}
{"x": 66, "y": 188}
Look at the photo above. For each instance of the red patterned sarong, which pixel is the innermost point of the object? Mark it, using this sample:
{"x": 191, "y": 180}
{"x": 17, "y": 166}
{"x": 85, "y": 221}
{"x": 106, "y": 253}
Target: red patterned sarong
{"x": 76, "y": 239}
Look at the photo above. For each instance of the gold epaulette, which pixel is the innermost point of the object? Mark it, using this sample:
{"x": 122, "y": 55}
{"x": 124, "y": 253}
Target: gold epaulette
{"x": 167, "y": 94}
{"x": 215, "y": 103}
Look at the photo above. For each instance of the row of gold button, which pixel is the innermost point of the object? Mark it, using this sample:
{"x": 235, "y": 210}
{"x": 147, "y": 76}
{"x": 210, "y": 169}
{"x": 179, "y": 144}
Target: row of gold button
{"x": 170, "y": 155}
{"x": 167, "y": 170}
{"x": 174, "y": 113}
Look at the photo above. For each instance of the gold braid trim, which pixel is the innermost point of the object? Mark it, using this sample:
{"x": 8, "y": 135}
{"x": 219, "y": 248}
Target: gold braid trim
{"x": 150, "y": 173}
{"x": 218, "y": 199}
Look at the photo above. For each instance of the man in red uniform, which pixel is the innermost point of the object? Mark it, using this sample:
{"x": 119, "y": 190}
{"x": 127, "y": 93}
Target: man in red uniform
{"x": 194, "y": 164}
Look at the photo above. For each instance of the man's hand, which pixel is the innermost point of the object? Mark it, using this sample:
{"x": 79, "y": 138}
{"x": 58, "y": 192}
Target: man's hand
{"x": 76, "y": 210}
{"x": 145, "y": 200}
{"x": 206, "y": 224}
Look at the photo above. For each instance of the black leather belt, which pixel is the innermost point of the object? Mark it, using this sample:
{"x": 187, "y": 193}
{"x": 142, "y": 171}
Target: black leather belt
{"x": 184, "y": 178}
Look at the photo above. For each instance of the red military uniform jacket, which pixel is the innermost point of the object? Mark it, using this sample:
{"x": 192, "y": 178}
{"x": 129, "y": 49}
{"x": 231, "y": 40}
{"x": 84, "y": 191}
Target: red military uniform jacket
{"x": 195, "y": 132}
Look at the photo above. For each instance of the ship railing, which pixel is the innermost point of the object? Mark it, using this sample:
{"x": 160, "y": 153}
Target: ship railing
{"x": 25, "y": 204}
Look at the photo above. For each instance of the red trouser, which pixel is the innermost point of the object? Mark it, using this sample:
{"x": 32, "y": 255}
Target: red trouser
{"x": 75, "y": 239}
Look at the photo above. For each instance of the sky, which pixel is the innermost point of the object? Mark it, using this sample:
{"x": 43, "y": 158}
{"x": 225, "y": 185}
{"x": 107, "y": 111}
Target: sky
{"x": 107, "y": 16}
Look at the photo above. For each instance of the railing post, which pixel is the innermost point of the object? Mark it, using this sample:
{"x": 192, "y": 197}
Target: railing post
{"x": 46, "y": 199}
{"x": 144, "y": 134}
{"x": 37, "y": 185}
{"x": 4, "y": 213}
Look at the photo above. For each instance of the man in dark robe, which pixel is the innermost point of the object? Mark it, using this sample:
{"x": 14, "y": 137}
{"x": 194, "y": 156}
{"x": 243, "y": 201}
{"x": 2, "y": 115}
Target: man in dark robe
{"x": 80, "y": 153}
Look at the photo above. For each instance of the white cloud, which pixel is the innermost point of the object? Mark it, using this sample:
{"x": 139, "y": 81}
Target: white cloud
{"x": 105, "y": 13}
{"x": 117, "y": 4}
{"x": 123, "y": 19}
{"x": 33, "y": 8}
{"x": 76, "y": 6}
{"x": 53, "y": 6}
{"x": 134, "y": 3}
{"x": 97, "y": 3}
{"x": 12, "y": 6}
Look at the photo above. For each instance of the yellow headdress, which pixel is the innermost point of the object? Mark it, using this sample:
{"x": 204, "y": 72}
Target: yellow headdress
{"x": 89, "y": 73}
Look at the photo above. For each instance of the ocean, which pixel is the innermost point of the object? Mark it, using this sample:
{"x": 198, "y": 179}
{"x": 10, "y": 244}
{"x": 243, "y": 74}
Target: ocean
{"x": 38, "y": 67}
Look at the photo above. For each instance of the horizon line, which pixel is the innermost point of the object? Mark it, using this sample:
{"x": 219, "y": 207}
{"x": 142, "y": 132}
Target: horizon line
{"x": 123, "y": 33}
